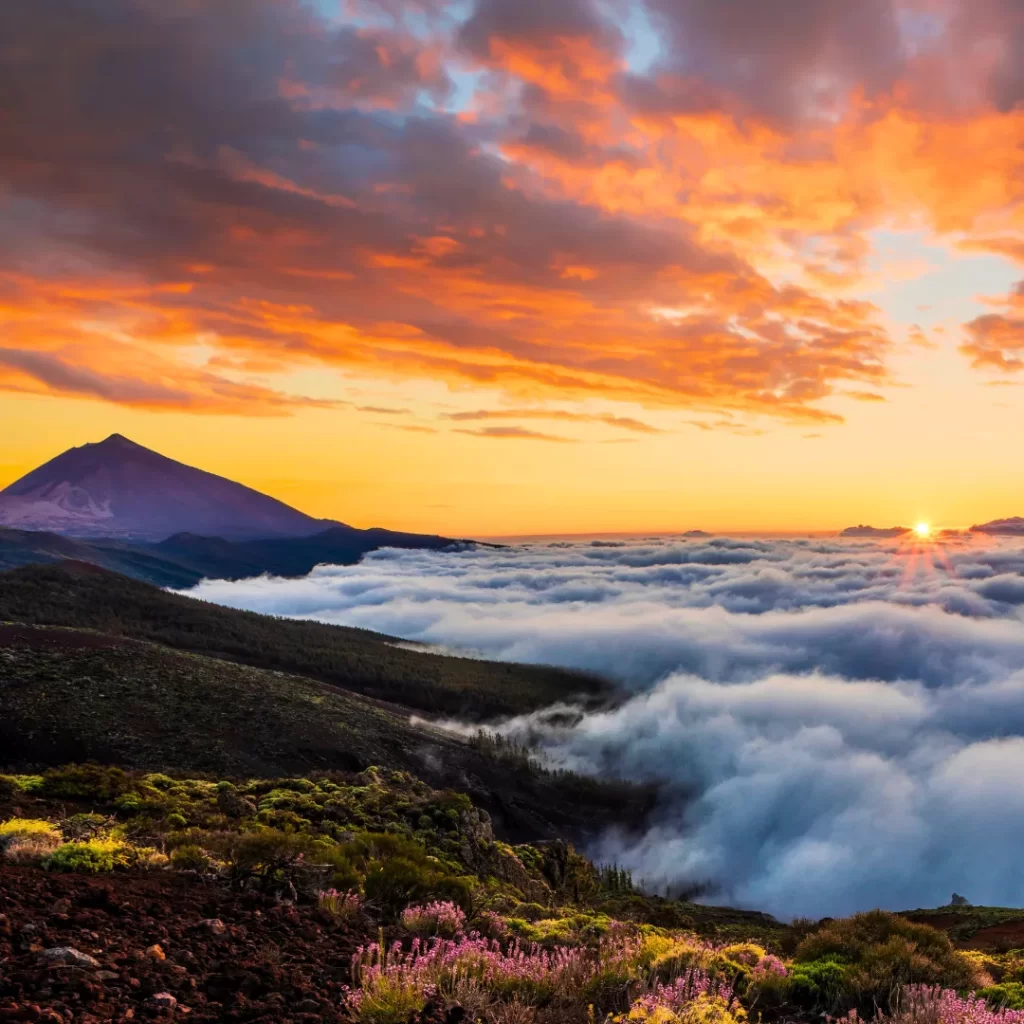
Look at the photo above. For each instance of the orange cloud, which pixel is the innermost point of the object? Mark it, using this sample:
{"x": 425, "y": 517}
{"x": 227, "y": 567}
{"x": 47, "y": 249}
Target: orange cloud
{"x": 515, "y": 433}
{"x": 693, "y": 236}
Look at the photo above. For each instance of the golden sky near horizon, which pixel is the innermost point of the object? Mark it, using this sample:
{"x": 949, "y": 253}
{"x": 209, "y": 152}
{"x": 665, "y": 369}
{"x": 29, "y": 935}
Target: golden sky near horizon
{"x": 502, "y": 267}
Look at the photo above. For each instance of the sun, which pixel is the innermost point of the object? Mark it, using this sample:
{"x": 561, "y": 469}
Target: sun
{"x": 923, "y": 530}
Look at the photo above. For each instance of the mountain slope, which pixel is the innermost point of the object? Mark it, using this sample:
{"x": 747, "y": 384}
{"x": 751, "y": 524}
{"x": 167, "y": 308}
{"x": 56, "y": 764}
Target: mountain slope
{"x": 83, "y": 596}
{"x": 119, "y": 488}
{"x": 183, "y": 560}
{"x": 32, "y": 547}
{"x": 78, "y": 695}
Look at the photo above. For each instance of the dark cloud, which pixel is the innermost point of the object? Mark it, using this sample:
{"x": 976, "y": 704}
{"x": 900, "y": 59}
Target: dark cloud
{"x": 785, "y": 59}
{"x": 535, "y": 23}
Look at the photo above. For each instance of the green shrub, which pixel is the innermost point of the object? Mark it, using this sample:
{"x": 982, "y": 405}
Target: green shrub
{"x": 266, "y": 855}
{"x": 1006, "y": 995}
{"x": 8, "y": 787}
{"x": 92, "y": 856}
{"x": 176, "y": 822}
{"x": 86, "y": 781}
{"x": 189, "y": 858}
{"x": 819, "y": 983}
{"x": 393, "y": 884}
{"x": 883, "y": 953}
{"x": 28, "y": 840}
{"x": 158, "y": 781}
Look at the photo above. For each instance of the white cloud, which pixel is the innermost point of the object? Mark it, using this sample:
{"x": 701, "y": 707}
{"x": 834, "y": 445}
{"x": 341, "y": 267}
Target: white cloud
{"x": 838, "y": 725}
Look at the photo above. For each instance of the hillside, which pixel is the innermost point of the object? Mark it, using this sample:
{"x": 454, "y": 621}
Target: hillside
{"x": 34, "y": 547}
{"x": 77, "y": 695}
{"x": 76, "y": 595}
{"x": 183, "y": 560}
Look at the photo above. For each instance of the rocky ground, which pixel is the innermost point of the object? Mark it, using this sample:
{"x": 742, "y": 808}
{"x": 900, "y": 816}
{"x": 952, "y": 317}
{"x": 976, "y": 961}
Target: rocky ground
{"x": 75, "y": 948}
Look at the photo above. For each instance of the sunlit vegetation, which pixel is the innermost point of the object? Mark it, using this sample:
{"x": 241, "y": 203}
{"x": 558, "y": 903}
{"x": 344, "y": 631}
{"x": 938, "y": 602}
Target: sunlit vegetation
{"x": 453, "y": 916}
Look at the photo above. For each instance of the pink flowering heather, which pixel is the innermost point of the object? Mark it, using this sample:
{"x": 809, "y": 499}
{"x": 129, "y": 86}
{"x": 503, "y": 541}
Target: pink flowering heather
{"x": 492, "y": 925}
{"x": 439, "y": 918}
{"x": 532, "y": 974}
{"x": 686, "y": 989}
{"x": 920, "y": 1004}
{"x": 768, "y": 967}
{"x": 344, "y": 906}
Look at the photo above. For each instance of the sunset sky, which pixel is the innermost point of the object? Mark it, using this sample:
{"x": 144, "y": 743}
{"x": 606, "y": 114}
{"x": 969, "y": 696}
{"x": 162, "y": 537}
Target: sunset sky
{"x": 501, "y": 267}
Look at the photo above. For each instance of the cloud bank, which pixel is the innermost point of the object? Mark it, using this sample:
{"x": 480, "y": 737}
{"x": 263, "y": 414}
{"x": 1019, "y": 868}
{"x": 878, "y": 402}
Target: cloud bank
{"x": 838, "y": 724}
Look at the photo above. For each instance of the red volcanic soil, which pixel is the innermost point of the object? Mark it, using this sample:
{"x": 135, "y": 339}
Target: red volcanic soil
{"x": 222, "y": 956}
{"x": 997, "y": 938}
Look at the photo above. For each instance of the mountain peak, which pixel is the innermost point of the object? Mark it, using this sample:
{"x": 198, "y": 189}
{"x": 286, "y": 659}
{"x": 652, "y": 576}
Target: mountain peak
{"x": 119, "y": 488}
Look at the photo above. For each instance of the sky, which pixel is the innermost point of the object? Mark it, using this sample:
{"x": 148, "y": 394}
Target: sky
{"x": 830, "y": 723}
{"x": 499, "y": 267}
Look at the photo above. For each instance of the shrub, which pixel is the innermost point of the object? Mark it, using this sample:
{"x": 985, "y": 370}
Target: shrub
{"x": 267, "y": 855}
{"x": 28, "y": 840}
{"x": 92, "y": 856}
{"x": 86, "y": 781}
{"x": 1007, "y": 995}
{"x": 438, "y": 918}
{"x": 20, "y": 828}
{"x": 189, "y": 858}
{"x": 820, "y": 983}
{"x": 8, "y": 787}
{"x": 393, "y": 884}
{"x": 883, "y": 953}
{"x": 176, "y": 822}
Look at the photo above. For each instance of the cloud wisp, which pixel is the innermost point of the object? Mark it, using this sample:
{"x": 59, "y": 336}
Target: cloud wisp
{"x": 834, "y": 724}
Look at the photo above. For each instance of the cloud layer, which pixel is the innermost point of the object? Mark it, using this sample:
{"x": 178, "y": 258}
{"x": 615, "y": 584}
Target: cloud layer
{"x": 545, "y": 199}
{"x": 836, "y": 722}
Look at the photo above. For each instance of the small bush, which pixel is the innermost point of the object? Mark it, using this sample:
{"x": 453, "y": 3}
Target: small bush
{"x": 22, "y": 827}
{"x": 8, "y": 787}
{"x": 395, "y": 883}
{"x": 267, "y": 855}
{"x": 1008, "y": 995}
{"x": 86, "y": 781}
{"x": 93, "y": 856}
{"x": 189, "y": 858}
{"x": 819, "y": 983}
{"x": 28, "y": 840}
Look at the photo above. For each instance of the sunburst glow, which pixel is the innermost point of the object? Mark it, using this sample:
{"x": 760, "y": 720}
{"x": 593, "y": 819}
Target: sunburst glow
{"x": 923, "y": 530}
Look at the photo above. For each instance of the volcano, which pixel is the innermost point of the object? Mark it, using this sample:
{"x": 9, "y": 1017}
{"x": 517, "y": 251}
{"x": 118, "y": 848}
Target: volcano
{"x": 117, "y": 488}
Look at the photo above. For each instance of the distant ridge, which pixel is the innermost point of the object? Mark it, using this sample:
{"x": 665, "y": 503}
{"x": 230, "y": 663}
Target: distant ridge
{"x": 117, "y": 488}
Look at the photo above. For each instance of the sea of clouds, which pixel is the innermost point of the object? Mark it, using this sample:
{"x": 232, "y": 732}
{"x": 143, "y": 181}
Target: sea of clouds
{"x": 838, "y": 725}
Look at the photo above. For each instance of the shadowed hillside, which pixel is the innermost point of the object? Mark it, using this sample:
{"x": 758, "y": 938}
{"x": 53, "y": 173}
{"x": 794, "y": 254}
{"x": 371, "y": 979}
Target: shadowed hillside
{"x": 76, "y": 695}
{"x": 183, "y": 560}
{"x": 83, "y": 596}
